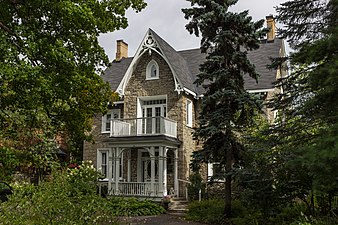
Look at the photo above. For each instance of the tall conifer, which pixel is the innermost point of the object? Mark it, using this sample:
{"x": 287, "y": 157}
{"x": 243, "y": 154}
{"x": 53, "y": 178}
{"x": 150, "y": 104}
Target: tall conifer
{"x": 226, "y": 107}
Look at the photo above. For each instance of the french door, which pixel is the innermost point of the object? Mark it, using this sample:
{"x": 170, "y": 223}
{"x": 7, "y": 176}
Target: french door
{"x": 152, "y": 114}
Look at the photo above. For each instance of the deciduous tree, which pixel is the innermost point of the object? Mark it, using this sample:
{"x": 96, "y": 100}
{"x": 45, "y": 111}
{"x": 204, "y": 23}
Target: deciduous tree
{"x": 50, "y": 61}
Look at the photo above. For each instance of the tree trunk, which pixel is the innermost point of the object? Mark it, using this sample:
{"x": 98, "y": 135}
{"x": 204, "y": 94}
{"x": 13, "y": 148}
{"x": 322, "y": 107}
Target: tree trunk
{"x": 228, "y": 179}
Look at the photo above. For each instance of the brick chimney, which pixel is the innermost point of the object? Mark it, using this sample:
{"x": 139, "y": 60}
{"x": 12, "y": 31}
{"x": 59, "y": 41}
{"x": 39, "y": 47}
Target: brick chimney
{"x": 271, "y": 25}
{"x": 121, "y": 50}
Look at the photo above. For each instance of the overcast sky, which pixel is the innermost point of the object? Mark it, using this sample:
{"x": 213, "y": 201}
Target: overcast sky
{"x": 167, "y": 20}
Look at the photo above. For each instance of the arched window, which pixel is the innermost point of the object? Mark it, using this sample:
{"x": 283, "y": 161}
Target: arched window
{"x": 152, "y": 70}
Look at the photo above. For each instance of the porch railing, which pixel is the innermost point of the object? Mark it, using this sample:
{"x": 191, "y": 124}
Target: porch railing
{"x": 133, "y": 189}
{"x": 143, "y": 126}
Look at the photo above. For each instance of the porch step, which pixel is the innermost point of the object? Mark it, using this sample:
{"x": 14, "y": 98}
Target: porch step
{"x": 178, "y": 207}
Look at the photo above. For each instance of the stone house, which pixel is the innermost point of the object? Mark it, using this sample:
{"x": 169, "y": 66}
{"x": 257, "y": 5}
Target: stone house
{"x": 143, "y": 145}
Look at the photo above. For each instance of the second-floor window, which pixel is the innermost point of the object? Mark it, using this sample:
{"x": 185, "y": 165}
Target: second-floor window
{"x": 189, "y": 113}
{"x": 152, "y": 70}
{"x": 111, "y": 114}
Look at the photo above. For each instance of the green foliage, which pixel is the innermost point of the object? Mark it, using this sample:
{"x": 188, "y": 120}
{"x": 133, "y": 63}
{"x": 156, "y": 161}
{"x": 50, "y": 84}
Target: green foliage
{"x": 296, "y": 156}
{"x": 196, "y": 186}
{"x": 226, "y": 107}
{"x": 50, "y": 64}
{"x": 211, "y": 212}
{"x": 207, "y": 211}
{"x": 69, "y": 197}
{"x": 8, "y": 163}
{"x": 134, "y": 207}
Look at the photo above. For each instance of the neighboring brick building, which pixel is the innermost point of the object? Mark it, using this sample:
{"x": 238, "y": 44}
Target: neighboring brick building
{"x": 146, "y": 138}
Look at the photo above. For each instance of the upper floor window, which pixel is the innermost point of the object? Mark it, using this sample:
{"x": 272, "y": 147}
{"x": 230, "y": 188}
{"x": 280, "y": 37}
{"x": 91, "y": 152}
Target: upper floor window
{"x": 189, "y": 113}
{"x": 152, "y": 70}
{"x": 111, "y": 114}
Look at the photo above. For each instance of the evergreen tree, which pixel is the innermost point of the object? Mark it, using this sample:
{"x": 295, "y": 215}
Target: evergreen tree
{"x": 308, "y": 107}
{"x": 226, "y": 107}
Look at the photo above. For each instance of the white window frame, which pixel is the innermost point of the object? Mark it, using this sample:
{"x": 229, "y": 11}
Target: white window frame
{"x": 112, "y": 113}
{"x": 189, "y": 113}
{"x": 211, "y": 172}
{"x": 99, "y": 161}
{"x": 149, "y": 70}
{"x": 99, "y": 164}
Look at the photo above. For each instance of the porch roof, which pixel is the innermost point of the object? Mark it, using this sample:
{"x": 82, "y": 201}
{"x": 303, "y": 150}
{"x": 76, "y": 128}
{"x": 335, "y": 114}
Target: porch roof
{"x": 143, "y": 141}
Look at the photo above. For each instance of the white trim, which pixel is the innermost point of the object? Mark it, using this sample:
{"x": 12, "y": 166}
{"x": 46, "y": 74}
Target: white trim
{"x": 110, "y": 164}
{"x": 140, "y": 51}
{"x": 211, "y": 171}
{"x": 104, "y": 119}
{"x": 261, "y": 90}
{"x": 189, "y": 114}
{"x": 190, "y": 92}
{"x": 99, "y": 161}
{"x": 149, "y": 70}
{"x": 250, "y": 91}
{"x": 153, "y": 97}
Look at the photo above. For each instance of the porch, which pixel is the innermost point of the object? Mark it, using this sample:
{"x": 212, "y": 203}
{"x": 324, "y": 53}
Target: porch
{"x": 147, "y": 171}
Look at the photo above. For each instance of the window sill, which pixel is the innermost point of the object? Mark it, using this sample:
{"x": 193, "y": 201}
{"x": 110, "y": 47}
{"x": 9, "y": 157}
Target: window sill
{"x": 152, "y": 78}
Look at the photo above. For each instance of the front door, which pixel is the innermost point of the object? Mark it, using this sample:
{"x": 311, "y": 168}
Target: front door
{"x": 146, "y": 167}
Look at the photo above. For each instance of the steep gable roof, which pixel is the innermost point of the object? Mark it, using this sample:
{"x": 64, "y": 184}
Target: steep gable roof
{"x": 185, "y": 65}
{"x": 178, "y": 63}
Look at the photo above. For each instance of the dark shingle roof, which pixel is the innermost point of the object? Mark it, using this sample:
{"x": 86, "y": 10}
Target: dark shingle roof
{"x": 194, "y": 58}
{"x": 186, "y": 65}
{"x": 114, "y": 74}
{"x": 261, "y": 58}
{"x": 179, "y": 65}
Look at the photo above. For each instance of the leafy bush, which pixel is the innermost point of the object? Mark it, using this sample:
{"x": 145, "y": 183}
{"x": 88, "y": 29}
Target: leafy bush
{"x": 134, "y": 207}
{"x": 211, "y": 211}
{"x": 207, "y": 211}
{"x": 69, "y": 197}
{"x": 196, "y": 185}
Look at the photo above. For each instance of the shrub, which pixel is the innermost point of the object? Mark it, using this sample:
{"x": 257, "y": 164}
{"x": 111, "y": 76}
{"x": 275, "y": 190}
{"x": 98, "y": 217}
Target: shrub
{"x": 68, "y": 197}
{"x": 196, "y": 185}
{"x": 134, "y": 207}
{"x": 207, "y": 211}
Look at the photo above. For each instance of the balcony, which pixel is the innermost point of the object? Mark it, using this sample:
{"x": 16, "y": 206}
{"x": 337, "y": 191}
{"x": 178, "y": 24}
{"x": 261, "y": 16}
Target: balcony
{"x": 143, "y": 127}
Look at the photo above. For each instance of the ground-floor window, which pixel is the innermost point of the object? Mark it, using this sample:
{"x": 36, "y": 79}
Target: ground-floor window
{"x": 103, "y": 164}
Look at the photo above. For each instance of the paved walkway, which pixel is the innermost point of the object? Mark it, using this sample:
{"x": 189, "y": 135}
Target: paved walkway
{"x": 164, "y": 219}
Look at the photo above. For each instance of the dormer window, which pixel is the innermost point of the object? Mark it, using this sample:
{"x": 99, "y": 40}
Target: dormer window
{"x": 152, "y": 70}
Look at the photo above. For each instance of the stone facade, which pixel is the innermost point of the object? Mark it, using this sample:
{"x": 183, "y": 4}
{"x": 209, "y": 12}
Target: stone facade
{"x": 138, "y": 86}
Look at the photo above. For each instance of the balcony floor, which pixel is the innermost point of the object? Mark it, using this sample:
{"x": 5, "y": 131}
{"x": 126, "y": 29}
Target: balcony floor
{"x": 130, "y": 141}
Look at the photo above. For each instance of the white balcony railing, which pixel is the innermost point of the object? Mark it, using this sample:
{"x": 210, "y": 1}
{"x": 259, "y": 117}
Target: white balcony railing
{"x": 133, "y": 188}
{"x": 143, "y": 126}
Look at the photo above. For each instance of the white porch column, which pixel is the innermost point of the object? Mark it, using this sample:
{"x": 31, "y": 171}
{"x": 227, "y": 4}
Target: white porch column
{"x": 160, "y": 170}
{"x": 117, "y": 169}
{"x": 152, "y": 161}
{"x": 176, "y": 173}
{"x": 165, "y": 190}
{"x": 139, "y": 166}
{"x": 110, "y": 166}
{"x": 129, "y": 165}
